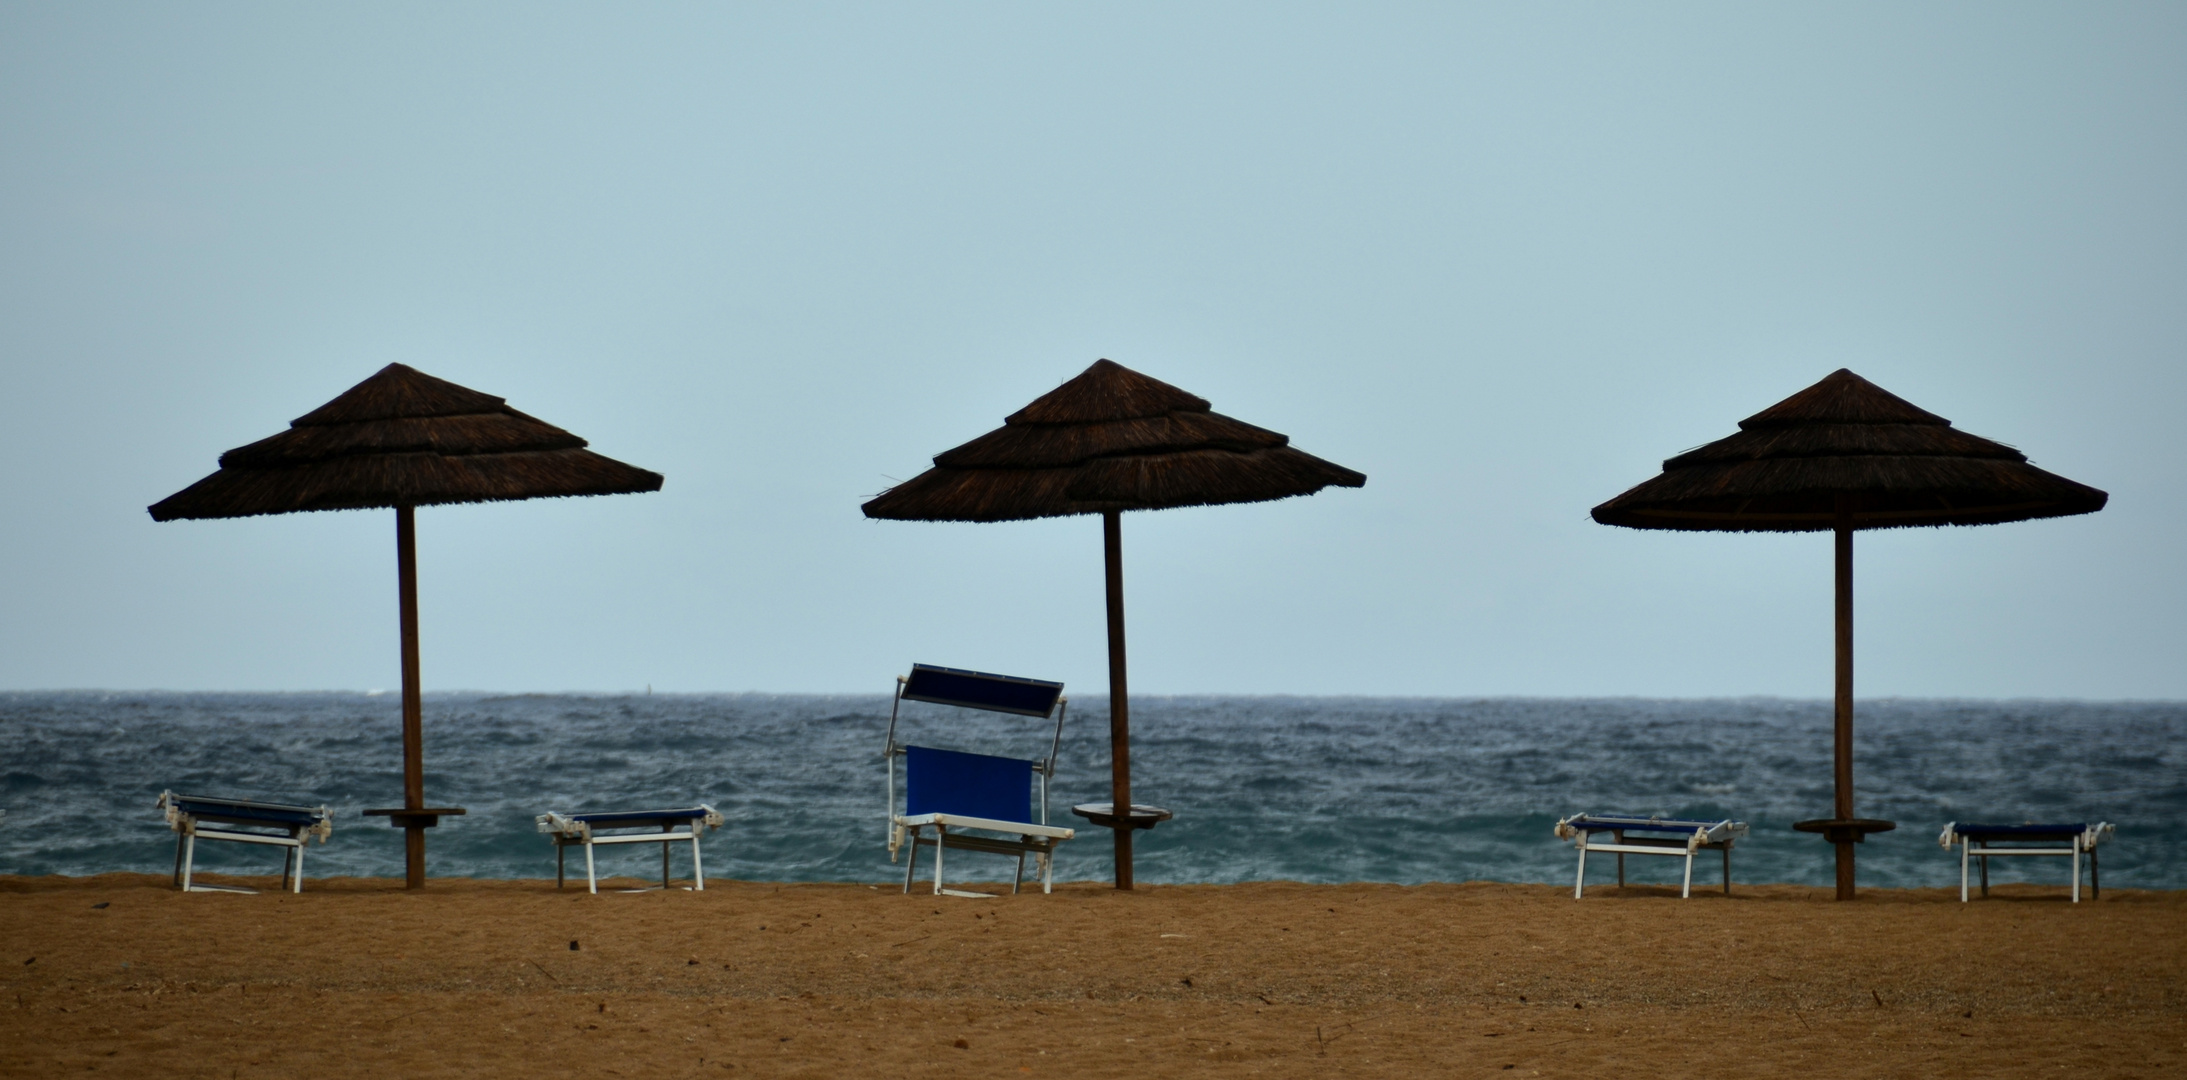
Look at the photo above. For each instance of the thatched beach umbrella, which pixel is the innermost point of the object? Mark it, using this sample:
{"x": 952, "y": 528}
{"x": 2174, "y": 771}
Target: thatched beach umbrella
{"x": 1105, "y": 442}
{"x": 404, "y": 439}
{"x": 1841, "y": 455}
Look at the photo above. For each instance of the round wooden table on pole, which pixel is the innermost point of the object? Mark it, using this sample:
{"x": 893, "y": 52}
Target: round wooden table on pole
{"x": 413, "y": 821}
{"x": 1104, "y": 814}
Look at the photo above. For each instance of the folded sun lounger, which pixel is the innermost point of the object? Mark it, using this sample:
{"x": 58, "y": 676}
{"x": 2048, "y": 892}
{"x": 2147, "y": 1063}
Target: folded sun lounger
{"x": 567, "y": 830}
{"x": 242, "y": 821}
{"x": 1633, "y": 835}
{"x": 948, "y": 790}
{"x": 2069, "y": 839}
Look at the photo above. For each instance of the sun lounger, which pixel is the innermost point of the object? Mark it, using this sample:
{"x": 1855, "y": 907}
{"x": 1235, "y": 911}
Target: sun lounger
{"x": 242, "y": 821}
{"x": 1633, "y": 835}
{"x": 946, "y": 790}
{"x": 590, "y": 830}
{"x": 1984, "y": 842}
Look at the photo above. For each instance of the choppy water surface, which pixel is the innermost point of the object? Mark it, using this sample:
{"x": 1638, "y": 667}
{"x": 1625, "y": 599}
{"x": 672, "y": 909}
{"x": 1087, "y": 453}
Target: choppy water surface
{"x": 1311, "y": 789}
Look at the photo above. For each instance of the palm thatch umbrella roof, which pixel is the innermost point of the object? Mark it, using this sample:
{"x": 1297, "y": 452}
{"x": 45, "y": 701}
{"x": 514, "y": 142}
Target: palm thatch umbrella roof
{"x": 404, "y": 439}
{"x": 1790, "y": 464}
{"x": 1844, "y": 455}
{"x": 1108, "y": 441}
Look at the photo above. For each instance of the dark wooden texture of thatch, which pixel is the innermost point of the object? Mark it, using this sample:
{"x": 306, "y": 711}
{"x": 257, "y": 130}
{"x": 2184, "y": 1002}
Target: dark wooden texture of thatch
{"x": 1110, "y": 439}
{"x": 403, "y": 438}
{"x": 1900, "y": 466}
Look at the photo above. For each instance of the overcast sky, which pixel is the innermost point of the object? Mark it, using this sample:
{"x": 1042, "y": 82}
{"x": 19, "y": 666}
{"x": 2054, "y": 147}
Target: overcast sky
{"x": 1502, "y": 259}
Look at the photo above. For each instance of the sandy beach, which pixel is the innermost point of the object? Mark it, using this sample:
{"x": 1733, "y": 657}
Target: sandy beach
{"x": 119, "y": 974}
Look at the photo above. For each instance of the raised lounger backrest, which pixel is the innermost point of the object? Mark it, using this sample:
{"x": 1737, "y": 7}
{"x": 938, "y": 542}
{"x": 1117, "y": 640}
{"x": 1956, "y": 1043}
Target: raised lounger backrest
{"x": 967, "y": 785}
{"x": 952, "y": 782}
{"x": 980, "y": 690}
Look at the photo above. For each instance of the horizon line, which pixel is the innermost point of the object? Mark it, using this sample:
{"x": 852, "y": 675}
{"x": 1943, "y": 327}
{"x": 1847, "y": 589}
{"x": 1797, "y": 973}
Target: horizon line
{"x": 649, "y": 692}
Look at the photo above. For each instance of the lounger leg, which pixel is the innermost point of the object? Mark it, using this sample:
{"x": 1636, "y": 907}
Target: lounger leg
{"x": 2095, "y": 887}
{"x": 698, "y": 871}
{"x": 1619, "y": 836}
{"x": 1048, "y": 869}
{"x": 1727, "y": 870}
{"x": 181, "y": 835}
{"x": 664, "y": 860}
{"x": 189, "y": 858}
{"x": 1020, "y": 878}
{"x": 1985, "y": 861}
{"x": 911, "y": 861}
{"x": 559, "y": 849}
{"x": 592, "y": 877}
{"x": 2076, "y": 869}
{"x": 299, "y": 879}
{"x": 941, "y": 840}
{"x": 1579, "y": 881}
{"x": 1964, "y": 845}
{"x": 1685, "y": 890}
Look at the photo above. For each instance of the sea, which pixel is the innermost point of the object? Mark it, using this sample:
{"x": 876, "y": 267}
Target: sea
{"x": 1314, "y": 789}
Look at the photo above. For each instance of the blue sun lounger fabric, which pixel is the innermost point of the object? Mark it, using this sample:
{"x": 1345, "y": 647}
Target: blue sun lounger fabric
{"x": 967, "y": 785}
{"x": 1631, "y": 834}
{"x": 946, "y": 790}
{"x": 2064, "y": 839}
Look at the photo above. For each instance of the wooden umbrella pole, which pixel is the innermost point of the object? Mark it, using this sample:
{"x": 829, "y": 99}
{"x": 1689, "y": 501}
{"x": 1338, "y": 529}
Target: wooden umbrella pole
{"x": 413, "y": 705}
{"x": 1112, "y": 550}
{"x": 1843, "y": 741}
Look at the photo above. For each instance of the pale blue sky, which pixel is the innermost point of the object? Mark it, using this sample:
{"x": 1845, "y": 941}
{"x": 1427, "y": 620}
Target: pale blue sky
{"x": 1504, "y": 260}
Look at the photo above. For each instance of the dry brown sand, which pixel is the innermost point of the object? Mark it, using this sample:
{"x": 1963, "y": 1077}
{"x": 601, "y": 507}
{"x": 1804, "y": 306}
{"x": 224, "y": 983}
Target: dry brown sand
{"x": 121, "y": 975}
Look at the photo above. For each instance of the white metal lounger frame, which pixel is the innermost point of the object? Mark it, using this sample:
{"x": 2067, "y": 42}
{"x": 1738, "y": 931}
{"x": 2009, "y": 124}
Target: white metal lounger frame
{"x": 189, "y": 828}
{"x": 1036, "y": 839}
{"x": 1705, "y": 835}
{"x": 1978, "y": 848}
{"x": 567, "y": 831}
